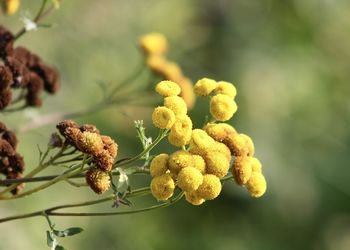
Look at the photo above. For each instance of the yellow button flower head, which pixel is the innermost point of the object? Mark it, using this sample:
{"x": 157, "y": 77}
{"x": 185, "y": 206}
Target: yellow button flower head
{"x": 168, "y": 88}
{"x": 199, "y": 163}
{"x": 240, "y": 144}
{"x": 204, "y": 86}
{"x": 179, "y": 160}
{"x": 189, "y": 179}
{"x": 256, "y": 165}
{"x": 176, "y": 104}
{"x": 216, "y": 164}
{"x": 256, "y": 185}
{"x": 90, "y": 143}
{"x": 186, "y": 91}
{"x": 163, "y": 117}
{"x": 200, "y": 142}
{"x": 226, "y": 88}
{"x": 159, "y": 165}
{"x": 221, "y": 148}
{"x": 242, "y": 169}
{"x": 180, "y": 133}
{"x": 154, "y": 43}
{"x": 193, "y": 198}
{"x": 98, "y": 180}
{"x": 222, "y": 107}
{"x": 162, "y": 187}
{"x": 10, "y": 7}
{"x": 210, "y": 188}
{"x": 219, "y": 131}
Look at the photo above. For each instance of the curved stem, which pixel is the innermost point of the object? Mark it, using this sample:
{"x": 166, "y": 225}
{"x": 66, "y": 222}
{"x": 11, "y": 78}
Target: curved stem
{"x": 134, "y": 193}
{"x": 161, "y": 135}
{"x": 64, "y": 176}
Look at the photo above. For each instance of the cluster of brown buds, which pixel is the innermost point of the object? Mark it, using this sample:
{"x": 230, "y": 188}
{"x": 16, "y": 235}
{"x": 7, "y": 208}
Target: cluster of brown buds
{"x": 103, "y": 150}
{"x": 11, "y": 163}
{"x": 23, "y": 70}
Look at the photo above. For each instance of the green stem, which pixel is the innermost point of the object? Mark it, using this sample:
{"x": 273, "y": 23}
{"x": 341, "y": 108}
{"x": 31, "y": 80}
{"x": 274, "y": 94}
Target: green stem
{"x": 62, "y": 177}
{"x": 134, "y": 193}
{"x": 162, "y": 134}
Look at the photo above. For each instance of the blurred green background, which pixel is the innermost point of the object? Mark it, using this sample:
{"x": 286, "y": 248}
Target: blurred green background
{"x": 290, "y": 62}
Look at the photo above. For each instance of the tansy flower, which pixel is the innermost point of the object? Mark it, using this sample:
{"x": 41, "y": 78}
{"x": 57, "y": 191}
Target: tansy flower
{"x": 204, "y": 86}
{"x": 222, "y": 107}
{"x": 193, "y": 198}
{"x": 98, "y": 180}
{"x": 256, "y": 165}
{"x": 154, "y": 43}
{"x": 242, "y": 169}
{"x": 159, "y": 165}
{"x": 163, "y": 117}
{"x": 226, "y": 88}
{"x": 179, "y": 160}
{"x": 210, "y": 188}
{"x": 90, "y": 143}
{"x": 256, "y": 185}
{"x": 181, "y": 131}
{"x": 200, "y": 142}
{"x": 162, "y": 187}
{"x": 219, "y": 131}
{"x": 10, "y": 7}
{"x": 168, "y": 88}
{"x": 189, "y": 179}
{"x": 240, "y": 144}
{"x": 221, "y": 148}
{"x": 199, "y": 163}
{"x": 176, "y": 104}
{"x": 216, "y": 164}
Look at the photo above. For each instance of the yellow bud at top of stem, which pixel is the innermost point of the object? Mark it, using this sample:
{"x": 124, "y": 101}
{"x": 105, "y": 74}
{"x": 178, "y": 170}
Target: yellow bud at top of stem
{"x": 204, "y": 86}
{"x": 154, "y": 43}
{"x": 163, "y": 117}
{"x": 226, "y": 88}
{"x": 168, "y": 88}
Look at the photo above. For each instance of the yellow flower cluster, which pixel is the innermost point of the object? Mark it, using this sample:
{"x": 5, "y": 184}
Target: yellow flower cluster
{"x": 10, "y": 7}
{"x": 155, "y": 46}
{"x": 222, "y": 104}
{"x": 173, "y": 115}
{"x": 198, "y": 169}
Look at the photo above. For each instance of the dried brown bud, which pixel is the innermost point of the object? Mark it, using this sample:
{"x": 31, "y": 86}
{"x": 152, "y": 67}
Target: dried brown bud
{"x": 17, "y": 163}
{"x": 104, "y": 161}
{"x": 21, "y": 74}
{"x": 5, "y": 97}
{"x": 110, "y": 145}
{"x": 35, "y": 87}
{"x": 62, "y": 126}
{"x": 49, "y": 75}
{"x": 6, "y": 42}
{"x": 55, "y": 141}
{"x": 98, "y": 180}
{"x": 11, "y": 138}
{"x": 6, "y": 149}
{"x": 5, "y": 77}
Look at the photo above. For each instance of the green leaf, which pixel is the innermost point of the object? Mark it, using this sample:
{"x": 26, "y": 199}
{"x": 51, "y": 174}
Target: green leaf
{"x": 59, "y": 247}
{"x": 68, "y": 232}
{"x": 51, "y": 241}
